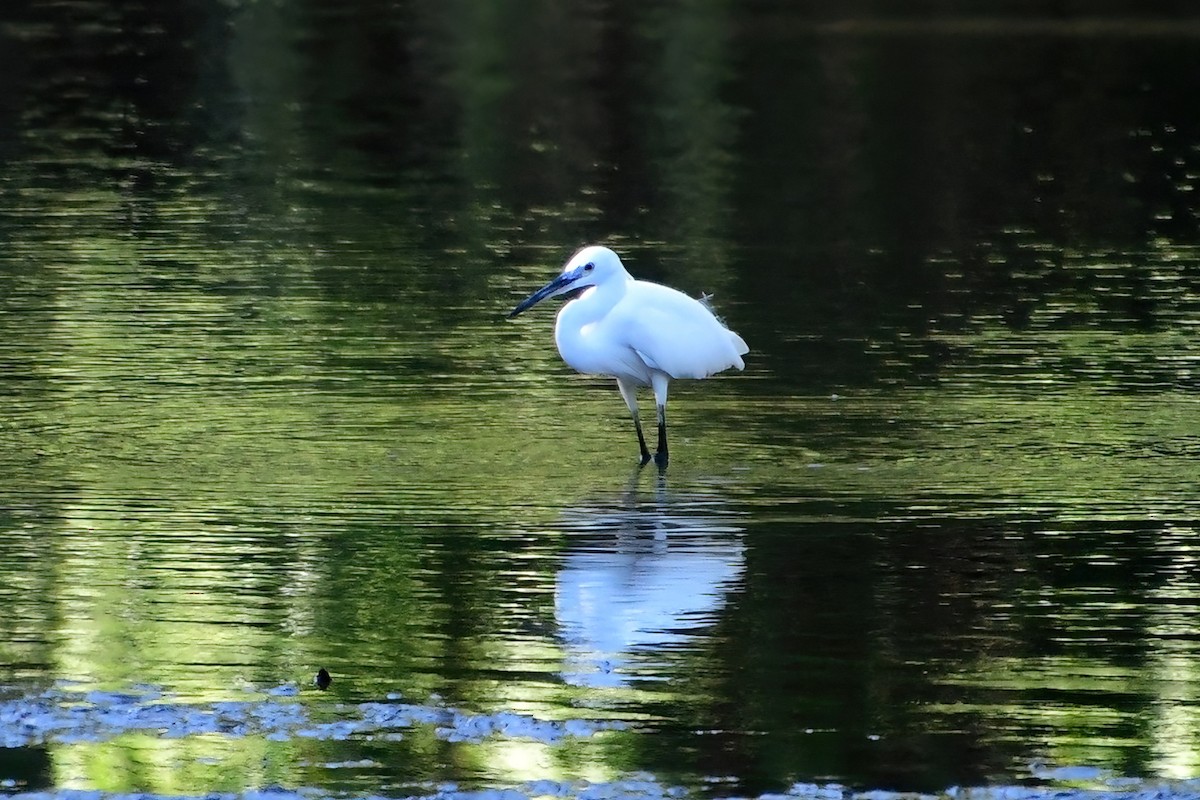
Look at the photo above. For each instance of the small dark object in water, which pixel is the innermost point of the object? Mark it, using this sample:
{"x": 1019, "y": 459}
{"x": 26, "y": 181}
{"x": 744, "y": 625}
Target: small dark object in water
{"x": 323, "y": 679}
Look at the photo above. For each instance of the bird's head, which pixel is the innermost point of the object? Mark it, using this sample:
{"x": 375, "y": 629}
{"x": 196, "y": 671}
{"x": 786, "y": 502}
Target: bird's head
{"x": 591, "y": 266}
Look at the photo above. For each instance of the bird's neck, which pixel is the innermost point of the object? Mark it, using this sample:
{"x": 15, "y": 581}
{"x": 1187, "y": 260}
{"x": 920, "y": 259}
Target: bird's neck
{"x": 578, "y": 317}
{"x": 593, "y": 304}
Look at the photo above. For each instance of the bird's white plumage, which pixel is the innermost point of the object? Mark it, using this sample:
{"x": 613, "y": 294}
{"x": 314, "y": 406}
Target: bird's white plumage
{"x": 628, "y": 328}
{"x": 641, "y": 333}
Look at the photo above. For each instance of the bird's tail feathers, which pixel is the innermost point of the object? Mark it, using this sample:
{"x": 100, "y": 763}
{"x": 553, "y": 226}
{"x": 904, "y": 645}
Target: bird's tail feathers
{"x": 739, "y": 344}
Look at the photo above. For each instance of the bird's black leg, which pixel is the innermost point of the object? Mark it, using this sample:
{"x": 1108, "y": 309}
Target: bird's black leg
{"x": 661, "y": 456}
{"x": 629, "y": 394}
{"x": 641, "y": 441}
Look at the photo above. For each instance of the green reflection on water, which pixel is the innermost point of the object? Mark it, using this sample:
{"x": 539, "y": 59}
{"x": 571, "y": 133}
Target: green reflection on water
{"x": 175, "y": 766}
{"x": 262, "y": 414}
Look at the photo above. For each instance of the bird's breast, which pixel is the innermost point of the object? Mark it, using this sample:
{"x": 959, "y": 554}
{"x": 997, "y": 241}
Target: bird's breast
{"x": 590, "y": 348}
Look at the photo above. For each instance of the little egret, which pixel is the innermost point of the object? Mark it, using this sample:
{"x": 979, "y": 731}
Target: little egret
{"x": 641, "y": 333}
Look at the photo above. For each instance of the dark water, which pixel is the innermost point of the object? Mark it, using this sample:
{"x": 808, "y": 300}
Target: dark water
{"x": 262, "y": 413}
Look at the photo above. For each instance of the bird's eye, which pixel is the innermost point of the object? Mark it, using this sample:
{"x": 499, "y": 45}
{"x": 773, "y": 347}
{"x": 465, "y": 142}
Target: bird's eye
{"x": 588, "y": 267}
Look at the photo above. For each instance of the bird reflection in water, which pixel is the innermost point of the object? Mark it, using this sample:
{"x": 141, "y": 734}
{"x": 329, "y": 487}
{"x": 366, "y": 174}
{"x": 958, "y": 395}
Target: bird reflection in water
{"x": 643, "y": 573}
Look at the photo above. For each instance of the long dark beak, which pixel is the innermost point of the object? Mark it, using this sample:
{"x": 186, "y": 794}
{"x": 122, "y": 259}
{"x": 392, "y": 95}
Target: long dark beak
{"x": 556, "y": 286}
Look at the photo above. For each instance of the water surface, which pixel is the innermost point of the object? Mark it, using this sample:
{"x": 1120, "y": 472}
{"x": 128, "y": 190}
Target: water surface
{"x": 263, "y": 413}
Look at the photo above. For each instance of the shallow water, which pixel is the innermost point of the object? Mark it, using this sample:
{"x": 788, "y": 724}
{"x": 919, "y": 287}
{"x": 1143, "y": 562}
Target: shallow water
{"x": 263, "y": 413}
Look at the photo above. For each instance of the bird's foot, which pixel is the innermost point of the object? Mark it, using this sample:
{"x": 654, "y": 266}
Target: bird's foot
{"x": 645, "y": 458}
{"x": 661, "y": 458}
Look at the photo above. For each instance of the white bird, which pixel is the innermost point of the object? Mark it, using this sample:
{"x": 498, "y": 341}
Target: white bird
{"x": 641, "y": 333}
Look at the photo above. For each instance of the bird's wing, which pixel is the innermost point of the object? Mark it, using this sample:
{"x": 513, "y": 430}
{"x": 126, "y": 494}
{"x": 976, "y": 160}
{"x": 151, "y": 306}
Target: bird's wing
{"x": 675, "y": 333}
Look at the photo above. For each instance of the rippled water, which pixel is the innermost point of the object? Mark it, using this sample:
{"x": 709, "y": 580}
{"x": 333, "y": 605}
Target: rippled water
{"x": 263, "y": 413}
